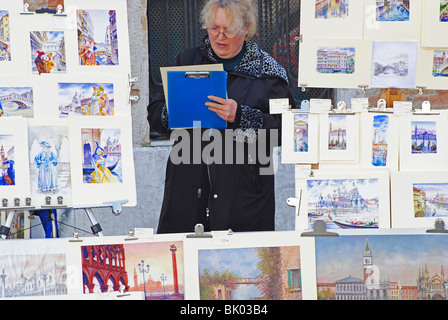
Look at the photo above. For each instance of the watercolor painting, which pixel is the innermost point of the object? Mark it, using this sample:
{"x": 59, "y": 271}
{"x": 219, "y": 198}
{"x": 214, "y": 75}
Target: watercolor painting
{"x": 336, "y": 60}
{"x": 272, "y": 273}
{"x": 344, "y": 203}
{"x": 394, "y": 64}
{"x": 379, "y": 141}
{"x": 5, "y": 36}
{"x": 16, "y": 101}
{"x": 81, "y": 99}
{"x": 331, "y": 9}
{"x": 155, "y": 268}
{"x": 97, "y": 37}
{"x": 33, "y": 270}
{"x": 424, "y": 136}
{"x": 443, "y": 11}
{"x": 49, "y": 160}
{"x": 337, "y": 132}
{"x": 43, "y": 4}
{"x": 430, "y": 200}
{"x": 101, "y": 155}
{"x": 385, "y": 267}
{"x": 440, "y": 63}
{"x": 392, "y": 10}
{"x": 301, "y": 132}
{"x": 7, "y": 170}
{"x": 48, "y": 52}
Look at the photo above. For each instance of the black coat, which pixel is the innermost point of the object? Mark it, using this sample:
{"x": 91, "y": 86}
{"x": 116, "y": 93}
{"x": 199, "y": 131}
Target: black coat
{"x": 231, "y": 195}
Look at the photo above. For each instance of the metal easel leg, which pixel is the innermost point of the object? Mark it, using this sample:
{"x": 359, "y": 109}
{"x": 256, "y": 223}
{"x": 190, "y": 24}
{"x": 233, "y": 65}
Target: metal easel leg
{"x": 4, "y": 230}
{"x": 96, "y": 228}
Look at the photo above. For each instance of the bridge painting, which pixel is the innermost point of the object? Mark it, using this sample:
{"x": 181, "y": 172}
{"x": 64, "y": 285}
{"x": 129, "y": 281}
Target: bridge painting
{"x": 271, "y": 273}
{"x": 16, "y": 101}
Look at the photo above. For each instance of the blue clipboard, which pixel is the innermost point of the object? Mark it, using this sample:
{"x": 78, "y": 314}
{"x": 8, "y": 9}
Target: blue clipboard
{"x": 187, "y": 95}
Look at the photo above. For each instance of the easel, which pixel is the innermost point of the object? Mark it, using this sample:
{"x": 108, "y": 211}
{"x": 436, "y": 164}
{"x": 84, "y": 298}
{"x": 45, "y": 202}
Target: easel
{"x": 11, "y": 211}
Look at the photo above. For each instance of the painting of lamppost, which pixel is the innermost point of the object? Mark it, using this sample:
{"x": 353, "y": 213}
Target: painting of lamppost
{"x": 143, "y": 270}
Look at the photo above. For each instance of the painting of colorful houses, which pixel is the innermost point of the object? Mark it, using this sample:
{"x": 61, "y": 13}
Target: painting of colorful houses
{"x": 386, "y": 267}
{"x": 337, "y": 132}
{"x": 430, "y": 199}
{"x": 262, "y": 273}
{"x": 336, "y": 60}
{"x": 5, "y": 50}
{"x": 440, "y": 63}
{"x": 300, "y": 133}
{"x": 424, "y": 137}
{"x": 392, "y": 10}
{"x": 344, "y": 203}
{"x": 154, "y": 268}
{"x": 331, "y": 9}
{"x": 379, "y": 141}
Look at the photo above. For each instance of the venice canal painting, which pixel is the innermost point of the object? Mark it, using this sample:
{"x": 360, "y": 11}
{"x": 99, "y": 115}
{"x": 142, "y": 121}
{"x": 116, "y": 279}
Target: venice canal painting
{"x": 424, "y": 137}
{"x": 337, "y": 132}
{"x": 385, "y": 267}
{"x": 300, "y": 133}
{"x": 393, "y": 10}
{"x": 266, "y": 273}
{"x": 344, "y": 203}
{"x": 336, "y": 60}
{"x": 430, "y": 200}
{"x": 331, "y": 9}
{"x": 379, "y": 140}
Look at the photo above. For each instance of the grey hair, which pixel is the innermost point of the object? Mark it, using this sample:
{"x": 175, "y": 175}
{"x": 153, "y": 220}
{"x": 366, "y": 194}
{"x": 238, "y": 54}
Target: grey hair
{"x": 240, "y": 13}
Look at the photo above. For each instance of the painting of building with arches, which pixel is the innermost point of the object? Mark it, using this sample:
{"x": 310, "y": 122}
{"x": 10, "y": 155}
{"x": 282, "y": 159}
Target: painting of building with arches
{"x": 16, "y": 101}
{"x": 101, "y": 155}
{"x": 48, "y": 52}
{"x": 33, "y": 270}
{"x": 49, "y": 160}
{"x": 440, "y": 63}
{"x": 154, "y": 268}
{"x": 250, "y": 273}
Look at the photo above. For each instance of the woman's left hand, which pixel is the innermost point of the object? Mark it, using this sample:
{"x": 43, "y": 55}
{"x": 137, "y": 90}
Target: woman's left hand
{"x": 225, "y": 108}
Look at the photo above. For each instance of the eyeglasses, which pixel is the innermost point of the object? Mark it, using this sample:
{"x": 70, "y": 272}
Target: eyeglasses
{"x": 227, "y": 34}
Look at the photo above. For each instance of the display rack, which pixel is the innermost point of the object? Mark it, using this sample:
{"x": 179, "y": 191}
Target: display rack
{"x": 116, "y": 207}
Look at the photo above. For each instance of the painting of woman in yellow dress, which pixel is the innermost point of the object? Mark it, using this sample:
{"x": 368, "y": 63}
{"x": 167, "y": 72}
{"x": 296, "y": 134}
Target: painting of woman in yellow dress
{"x": 101, "y": 173}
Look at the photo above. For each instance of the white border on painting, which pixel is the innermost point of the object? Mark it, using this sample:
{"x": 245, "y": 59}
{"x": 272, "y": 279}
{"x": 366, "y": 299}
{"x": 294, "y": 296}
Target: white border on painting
{"x": 432, "y": 28}
{"x": 17, "y": 126}
{"x": 84, "y": 194}
{"x": 366, "y": 129}
{"x": 350, "y": 27}
{"x": 351, "y": 154}
{"x": 302, "y": 220}
{"x": 74, "y": 258}
{"x": 402, "y": 195}
{"x": 425, "y": 64}
{"x": 67, "y": 193}
{"x": 250, "y": 240}
{"x": 310, "y": 77}
{"x": 429, "y": 161}
{"x": 288, "y": 153}
{"x": 393, "y": 30}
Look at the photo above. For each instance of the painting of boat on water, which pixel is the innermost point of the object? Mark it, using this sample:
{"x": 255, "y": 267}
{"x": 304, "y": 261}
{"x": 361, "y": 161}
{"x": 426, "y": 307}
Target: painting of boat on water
{"x": 379, "y": 142}
{"x": 424, "y": 137}
{"x": 430, "y": 200}
{"x": 344, "y": 203}
{"x": 393, "y": 10}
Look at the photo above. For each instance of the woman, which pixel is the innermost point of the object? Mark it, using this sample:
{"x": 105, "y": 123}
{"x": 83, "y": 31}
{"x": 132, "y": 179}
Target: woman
{"x": 234, "y": 195}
